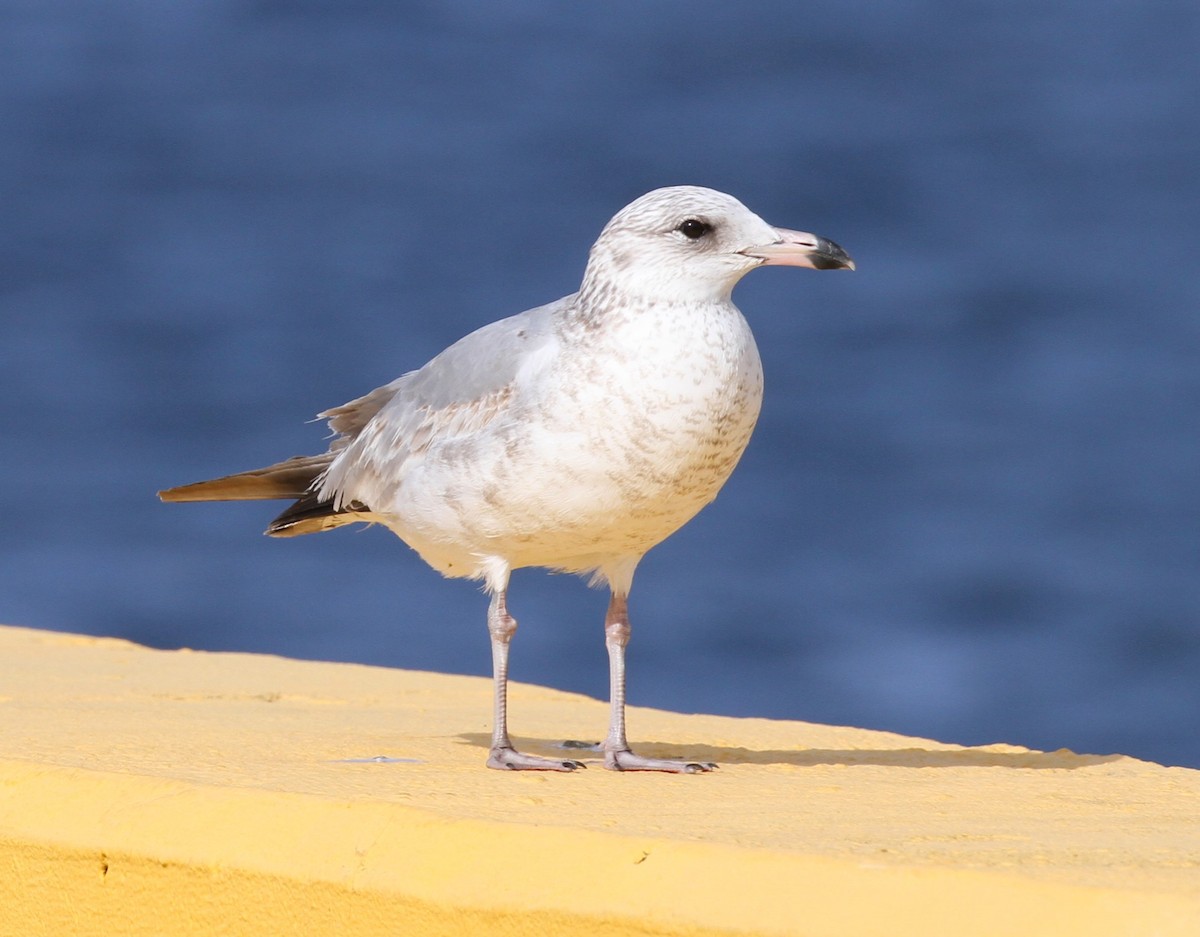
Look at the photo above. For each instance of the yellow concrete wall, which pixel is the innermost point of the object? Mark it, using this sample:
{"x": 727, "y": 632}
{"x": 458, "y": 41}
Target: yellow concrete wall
{"x": 160, "y": 793}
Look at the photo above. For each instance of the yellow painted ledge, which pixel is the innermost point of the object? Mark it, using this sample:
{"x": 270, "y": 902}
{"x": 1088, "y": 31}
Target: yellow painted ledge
{"x": 167, "y": 793}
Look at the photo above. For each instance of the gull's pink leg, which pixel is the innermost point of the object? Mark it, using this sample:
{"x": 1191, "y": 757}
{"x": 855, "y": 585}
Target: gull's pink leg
{"x": 502, "y": 754}
{"x": 617, "y": 755}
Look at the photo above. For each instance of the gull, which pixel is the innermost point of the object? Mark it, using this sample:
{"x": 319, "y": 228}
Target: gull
{"x": 574, "y": 436}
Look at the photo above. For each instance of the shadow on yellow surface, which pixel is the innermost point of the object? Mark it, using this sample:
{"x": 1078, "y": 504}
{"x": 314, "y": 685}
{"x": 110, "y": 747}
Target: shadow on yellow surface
{"x": 891, "y": 758}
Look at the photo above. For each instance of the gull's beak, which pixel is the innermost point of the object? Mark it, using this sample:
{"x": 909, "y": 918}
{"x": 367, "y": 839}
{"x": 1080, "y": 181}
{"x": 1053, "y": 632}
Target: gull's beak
{"x": 801, "y": 249}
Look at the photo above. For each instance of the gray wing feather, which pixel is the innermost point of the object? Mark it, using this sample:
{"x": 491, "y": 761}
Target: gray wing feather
{"x": 461, "y": 390}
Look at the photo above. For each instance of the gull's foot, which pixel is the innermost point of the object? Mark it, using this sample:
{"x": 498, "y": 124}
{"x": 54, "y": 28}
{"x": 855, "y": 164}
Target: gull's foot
{"x": 625, "y": 760}
{"x": 509, "y": 759}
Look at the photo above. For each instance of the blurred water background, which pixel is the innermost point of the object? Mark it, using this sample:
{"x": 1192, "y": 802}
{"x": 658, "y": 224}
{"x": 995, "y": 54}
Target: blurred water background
{"x": 971, "y": 510}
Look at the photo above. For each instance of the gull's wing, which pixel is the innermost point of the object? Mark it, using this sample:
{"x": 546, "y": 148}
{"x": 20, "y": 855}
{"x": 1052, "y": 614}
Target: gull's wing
{"x": 462, "y": 390}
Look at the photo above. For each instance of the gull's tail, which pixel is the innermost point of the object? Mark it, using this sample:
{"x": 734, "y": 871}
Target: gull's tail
{"x": 290, "y": 479}
{"x": 293, "y": 478}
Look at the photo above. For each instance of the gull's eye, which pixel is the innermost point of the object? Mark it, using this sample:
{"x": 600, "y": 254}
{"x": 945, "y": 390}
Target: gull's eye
{"x": 693, "y": 228}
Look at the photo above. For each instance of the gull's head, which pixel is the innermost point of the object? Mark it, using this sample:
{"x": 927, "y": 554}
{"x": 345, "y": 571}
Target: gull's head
{"x": 687, "y": 243}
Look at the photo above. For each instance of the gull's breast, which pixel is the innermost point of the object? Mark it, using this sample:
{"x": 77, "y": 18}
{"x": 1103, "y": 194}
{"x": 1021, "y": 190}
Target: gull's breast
{"x": 615, "y": 450}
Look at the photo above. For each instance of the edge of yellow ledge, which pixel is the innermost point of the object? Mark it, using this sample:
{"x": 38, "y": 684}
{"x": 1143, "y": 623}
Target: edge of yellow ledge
{"x": 151, "y": 792}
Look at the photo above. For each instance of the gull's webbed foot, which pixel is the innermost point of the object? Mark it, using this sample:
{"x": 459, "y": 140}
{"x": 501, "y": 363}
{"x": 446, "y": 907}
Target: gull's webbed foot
{"x": 507, "y": 758}
{"x": 625, "y": 760}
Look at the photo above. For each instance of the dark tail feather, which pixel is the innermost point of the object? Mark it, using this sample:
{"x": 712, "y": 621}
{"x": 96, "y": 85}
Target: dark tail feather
{"x": 290, "y": 479}
{"x": 310, "y": 515}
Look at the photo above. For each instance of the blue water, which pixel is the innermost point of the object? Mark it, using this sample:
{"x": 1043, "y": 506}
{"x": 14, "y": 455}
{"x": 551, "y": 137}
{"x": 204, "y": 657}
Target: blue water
{"x": 971, "y": 510}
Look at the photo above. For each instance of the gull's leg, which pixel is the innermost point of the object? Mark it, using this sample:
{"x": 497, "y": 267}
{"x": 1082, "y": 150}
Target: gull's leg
{"x": 617, "y": 755}
{"x": 502, "y": 754}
